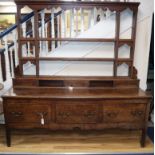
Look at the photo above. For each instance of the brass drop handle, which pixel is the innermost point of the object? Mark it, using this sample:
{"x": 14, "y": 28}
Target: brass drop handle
{"x": 89, "y": 114}
{"x": 42, "y": 115}
{"x": 62, "y": 114}
{"x": 17, "y": 114}
{"x": 137, "y": 113}
{"x": 67, "y": 114}
{"x": 112, "y": 114}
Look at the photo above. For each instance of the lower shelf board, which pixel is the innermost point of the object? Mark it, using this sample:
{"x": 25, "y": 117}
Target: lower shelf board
{"x": 75, "y": 142}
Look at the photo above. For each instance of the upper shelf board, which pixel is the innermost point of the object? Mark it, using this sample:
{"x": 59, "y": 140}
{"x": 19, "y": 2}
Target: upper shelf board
{"x": 113, "y": 6}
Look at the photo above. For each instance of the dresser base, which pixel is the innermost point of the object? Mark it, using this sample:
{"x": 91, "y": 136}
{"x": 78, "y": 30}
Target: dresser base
{"x": 89, "y": 109}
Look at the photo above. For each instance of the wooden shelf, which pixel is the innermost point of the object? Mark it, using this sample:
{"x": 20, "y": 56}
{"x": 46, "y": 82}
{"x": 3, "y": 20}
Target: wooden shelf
{"x": 116, "y": 40}
{"x": 27, "y": 39}
{"x": 124, "y": 60}
{"x": 123, "y": 41}
{"x": 75, "y": 59}
{"x": 71, "y": 39}
{"x": 28, "y": 58}
{"x": 114, "y": 6}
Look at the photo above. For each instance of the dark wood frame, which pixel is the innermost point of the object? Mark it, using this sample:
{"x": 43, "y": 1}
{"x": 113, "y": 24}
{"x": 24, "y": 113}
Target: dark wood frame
{"x": 113, "y": 6}
{"x": 94, "y": 92}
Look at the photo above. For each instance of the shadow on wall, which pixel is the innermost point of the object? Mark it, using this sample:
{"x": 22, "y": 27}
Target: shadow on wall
{"x": 3, "y": 88}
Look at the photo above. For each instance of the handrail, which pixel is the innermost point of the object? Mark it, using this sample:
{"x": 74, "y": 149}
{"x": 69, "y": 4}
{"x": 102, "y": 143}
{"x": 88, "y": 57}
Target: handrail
{"x": 22, "y": 21}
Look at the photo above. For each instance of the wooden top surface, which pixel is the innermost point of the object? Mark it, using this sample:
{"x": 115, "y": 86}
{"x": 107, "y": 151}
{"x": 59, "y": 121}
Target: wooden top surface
{"x": 74, "y": 92}
{"x": 77, "y": 3}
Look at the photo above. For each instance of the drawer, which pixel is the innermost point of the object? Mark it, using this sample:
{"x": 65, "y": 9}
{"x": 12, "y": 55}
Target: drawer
{"x": 27, "y": 113}
{"x": 77, "y": 113}
{"x": 124, "y": 112}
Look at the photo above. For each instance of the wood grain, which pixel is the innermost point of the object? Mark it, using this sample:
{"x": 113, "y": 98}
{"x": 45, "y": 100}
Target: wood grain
{"x": 69, "y": 103}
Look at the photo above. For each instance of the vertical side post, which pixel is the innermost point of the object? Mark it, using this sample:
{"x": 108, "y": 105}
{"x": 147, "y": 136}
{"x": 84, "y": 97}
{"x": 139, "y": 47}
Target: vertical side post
{"x": 36, "y": 41}
{"x": 144, "y": 129}
{"x": 116, "y": 42}
{"x": 19, "y": 42}
{"x": 133, "y": 37}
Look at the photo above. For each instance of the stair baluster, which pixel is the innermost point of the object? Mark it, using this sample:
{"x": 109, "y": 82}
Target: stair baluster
{"x": 9, "y": 54}
{"x": 43, "y": 23}
{"x": 15, "y": 47}
{"x": 82, "y": 19}
{"x": 7, "y": 63}
{"x": 11, "y": 62}
{"x": 43, "y": 44}
{"x": 1, "y": 76}
{"x": 77, "y": 23}
{"x": 72, "y": 23}
{"x": 94, "y": 15}
{"x": 46, "y": 42}
{"x": 24, "y": 48}
{"x": 63, "y": 25}
{"x": 32, "y": 21}
{"x": 91, "y": 18}
{"x": 52, "y": 29}
{"x": 28, "y": 48}
{"x": 58, "y": 29}
{"x": 40, "y": 42}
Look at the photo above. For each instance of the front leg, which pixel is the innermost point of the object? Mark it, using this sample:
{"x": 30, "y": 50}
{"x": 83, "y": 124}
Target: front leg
{"x": 143, "y": 138}
{"x": 8, "y": 136}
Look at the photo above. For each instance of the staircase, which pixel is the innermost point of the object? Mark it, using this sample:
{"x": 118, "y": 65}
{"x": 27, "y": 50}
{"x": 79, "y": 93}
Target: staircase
{"x": 9, "y": 54}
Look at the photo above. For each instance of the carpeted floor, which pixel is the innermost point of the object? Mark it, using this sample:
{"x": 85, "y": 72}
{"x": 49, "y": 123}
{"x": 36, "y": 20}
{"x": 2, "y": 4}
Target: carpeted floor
{"x": 150, "y": 133}
{"x": 107, "y": 142}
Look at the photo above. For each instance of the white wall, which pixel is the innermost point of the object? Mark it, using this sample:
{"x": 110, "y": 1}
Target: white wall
{"x": 146, "y": 9}
{"x": 8, "y": 9}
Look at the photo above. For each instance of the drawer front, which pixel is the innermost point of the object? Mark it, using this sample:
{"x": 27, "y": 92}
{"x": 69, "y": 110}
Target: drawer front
{"x": 77, "y": 113}
{"x": 124, "y": 112}
{"x": 27, "y": 113}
